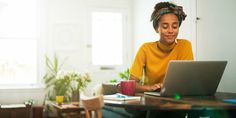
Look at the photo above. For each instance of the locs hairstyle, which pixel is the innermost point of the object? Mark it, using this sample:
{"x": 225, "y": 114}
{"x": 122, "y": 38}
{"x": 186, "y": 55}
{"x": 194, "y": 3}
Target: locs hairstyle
{"x": 166, "y": 7}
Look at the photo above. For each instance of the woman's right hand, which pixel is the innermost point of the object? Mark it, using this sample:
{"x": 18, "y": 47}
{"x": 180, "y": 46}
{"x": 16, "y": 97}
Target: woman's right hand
{"x": 155, "y": 87}
{"x": 144, "y": 88}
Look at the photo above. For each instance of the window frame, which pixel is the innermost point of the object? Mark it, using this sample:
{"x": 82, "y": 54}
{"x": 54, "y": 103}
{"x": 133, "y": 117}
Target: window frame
{"x": 38, "y": 68}
{"x": 127, "y": 46}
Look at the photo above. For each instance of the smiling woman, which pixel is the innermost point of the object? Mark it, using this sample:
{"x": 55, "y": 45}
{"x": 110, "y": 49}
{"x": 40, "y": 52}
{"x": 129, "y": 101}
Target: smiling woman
{"x": 153, "y": 57}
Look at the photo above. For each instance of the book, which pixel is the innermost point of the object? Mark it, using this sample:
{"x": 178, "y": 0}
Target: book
{"x": 121, "y": 97}
{"x": 230, "y": 101}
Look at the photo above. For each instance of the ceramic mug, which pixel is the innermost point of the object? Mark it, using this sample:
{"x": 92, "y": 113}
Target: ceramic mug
{"x": 127, "y": 87}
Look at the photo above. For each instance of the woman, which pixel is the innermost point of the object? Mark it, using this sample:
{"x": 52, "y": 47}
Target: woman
{"x": 152, "y": 58}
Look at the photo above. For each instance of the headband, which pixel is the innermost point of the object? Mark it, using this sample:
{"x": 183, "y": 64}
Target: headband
{"x": 177, "y": 10}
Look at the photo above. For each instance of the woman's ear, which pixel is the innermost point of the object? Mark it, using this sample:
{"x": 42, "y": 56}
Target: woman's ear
{"x": 157, "y": 30}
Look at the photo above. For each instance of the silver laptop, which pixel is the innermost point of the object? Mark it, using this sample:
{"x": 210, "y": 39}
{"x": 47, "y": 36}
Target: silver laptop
{"x": 191, "y": 78}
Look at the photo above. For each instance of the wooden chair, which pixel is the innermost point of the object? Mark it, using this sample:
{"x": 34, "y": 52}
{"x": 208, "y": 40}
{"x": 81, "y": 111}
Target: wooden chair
{"x": 94, "y": 103}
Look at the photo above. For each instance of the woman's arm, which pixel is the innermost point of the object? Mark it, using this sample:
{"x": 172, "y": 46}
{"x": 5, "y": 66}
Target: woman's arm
{"x": 144, "y": 88}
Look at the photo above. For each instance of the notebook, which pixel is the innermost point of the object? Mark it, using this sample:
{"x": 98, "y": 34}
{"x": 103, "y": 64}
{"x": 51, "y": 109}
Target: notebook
{"x": 120, "y": 97}
{"x": 191, "y": 78}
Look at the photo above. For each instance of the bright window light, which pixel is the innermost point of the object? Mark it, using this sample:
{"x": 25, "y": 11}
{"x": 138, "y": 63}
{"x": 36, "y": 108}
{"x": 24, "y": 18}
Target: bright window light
{"x": 107, "y": 38}
{"x": 18, "y": 62}
{"x": 19, "y": 28}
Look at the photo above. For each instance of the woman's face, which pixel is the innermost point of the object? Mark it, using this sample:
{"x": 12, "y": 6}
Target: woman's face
{"x": 168, "y": 28}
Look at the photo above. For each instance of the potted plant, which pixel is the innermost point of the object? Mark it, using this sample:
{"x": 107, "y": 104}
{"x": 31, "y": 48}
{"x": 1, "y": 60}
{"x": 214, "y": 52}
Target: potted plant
{"x": 70, "y": 84}
{"x": 123, "y": 76}
{"x": 77, "y": 83}
{"x": 60, "y": 83}
{"x": 111, "y": 87}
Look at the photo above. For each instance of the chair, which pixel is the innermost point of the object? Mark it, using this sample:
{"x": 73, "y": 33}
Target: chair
{"x": 94, "y": 103}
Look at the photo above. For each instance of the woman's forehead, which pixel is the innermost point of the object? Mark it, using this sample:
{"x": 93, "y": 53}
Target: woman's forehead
{"x": 170, "y": 17}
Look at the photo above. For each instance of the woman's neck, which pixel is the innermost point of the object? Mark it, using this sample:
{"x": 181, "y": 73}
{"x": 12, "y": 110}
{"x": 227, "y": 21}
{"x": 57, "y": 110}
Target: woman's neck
{"x": 165, "y": 46}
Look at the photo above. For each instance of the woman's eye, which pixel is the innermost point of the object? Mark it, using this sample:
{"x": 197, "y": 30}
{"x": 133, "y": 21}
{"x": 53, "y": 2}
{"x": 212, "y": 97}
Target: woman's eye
{"x": 165, "y": 26}
{"x": 175, "y": 26}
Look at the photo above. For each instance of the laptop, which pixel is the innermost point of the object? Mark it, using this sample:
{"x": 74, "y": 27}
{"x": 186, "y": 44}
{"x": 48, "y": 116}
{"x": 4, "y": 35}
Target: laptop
{"x": 191, "y": 78}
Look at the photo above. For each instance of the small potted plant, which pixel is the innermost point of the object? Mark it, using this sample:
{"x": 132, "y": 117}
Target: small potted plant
{"x": 111, "y": 87}
{"x": 62, "y": 84}
{"x": 123, "y": 76}
{"x": 77, "y": 83}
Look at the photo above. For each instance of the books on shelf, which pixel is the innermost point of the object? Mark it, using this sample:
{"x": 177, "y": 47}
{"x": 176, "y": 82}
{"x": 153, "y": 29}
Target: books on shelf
{"x": 121, "y": 97}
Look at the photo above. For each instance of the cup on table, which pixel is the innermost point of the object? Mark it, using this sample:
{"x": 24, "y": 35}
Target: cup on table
{"x": 59, "y": 99}
{"x": 127, "y": 87}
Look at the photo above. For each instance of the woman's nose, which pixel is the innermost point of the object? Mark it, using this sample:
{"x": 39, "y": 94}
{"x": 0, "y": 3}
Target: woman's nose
{"x": 170, "y": 30}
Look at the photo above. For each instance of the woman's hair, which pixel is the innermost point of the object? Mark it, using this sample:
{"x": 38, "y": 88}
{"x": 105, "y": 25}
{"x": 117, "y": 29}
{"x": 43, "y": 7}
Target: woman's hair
{"x": 166, "y": 7}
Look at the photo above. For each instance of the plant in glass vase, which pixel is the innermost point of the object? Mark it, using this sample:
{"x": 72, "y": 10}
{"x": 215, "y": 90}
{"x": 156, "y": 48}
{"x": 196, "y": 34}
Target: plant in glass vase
{"x": 77, "y": 83}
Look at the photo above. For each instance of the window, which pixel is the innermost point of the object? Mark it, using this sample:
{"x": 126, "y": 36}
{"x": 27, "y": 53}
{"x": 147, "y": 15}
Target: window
{"x": 19, "y": 28}
{"x": 107, "y": 38}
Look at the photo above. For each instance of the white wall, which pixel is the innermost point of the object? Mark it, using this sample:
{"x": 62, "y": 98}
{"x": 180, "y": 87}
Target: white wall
{"x": 216, "y": 37}
{"x": 143, "y": 30}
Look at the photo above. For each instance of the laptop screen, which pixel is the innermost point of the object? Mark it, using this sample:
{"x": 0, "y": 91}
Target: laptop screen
{"x": 192, "y": 78}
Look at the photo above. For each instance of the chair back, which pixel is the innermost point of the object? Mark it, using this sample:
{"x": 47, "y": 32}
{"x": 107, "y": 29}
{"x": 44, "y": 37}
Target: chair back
{"x": 95, "y": 104}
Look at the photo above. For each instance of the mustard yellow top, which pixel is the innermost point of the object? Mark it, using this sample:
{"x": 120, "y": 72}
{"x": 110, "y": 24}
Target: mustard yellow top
{"x": 152, "y": 59}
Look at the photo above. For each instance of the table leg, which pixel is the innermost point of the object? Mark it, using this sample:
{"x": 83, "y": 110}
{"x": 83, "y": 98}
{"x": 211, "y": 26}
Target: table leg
{"x": 59, "y": 113}
{"x": 148, "y": 114}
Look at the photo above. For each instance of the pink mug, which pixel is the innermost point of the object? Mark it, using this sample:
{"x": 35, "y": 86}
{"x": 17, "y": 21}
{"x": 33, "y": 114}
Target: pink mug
{"x": 127, "y": 87}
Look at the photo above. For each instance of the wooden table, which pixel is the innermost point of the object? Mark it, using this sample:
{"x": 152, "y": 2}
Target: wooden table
{"x": 186, "y": 104}
{"x": 69, "y": 109}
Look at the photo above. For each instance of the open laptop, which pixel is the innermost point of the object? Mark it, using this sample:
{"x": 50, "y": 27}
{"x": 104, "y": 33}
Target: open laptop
{"x": 191, "y": 78}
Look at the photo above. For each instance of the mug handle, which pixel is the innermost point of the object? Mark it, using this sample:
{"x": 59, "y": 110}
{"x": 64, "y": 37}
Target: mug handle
{"x": 118, "y": 88}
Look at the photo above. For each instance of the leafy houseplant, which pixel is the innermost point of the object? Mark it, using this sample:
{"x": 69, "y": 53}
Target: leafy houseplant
{"x": 59, "y": 83}
{"x": 111, "y": 86}
{"x": 123, "y": 75}
{"x": 76, "y": 83}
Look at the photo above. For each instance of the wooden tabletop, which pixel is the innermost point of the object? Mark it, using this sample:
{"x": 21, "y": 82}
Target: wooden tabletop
{"x": 183, "y": 103}
{"x": 68, "y": 107}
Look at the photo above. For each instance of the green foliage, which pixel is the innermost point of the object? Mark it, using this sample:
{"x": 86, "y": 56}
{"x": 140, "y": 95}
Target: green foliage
{"x": 78, "y": 81}
{"x": 125, "y": 74}
{"x": 59, "y": 83}
{"x": 53, "y": 85}
{"x": 113, "y": 81}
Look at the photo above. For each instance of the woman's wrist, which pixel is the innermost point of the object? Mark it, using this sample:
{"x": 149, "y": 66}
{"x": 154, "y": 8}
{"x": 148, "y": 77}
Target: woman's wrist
{"x": 143, "y": 88}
